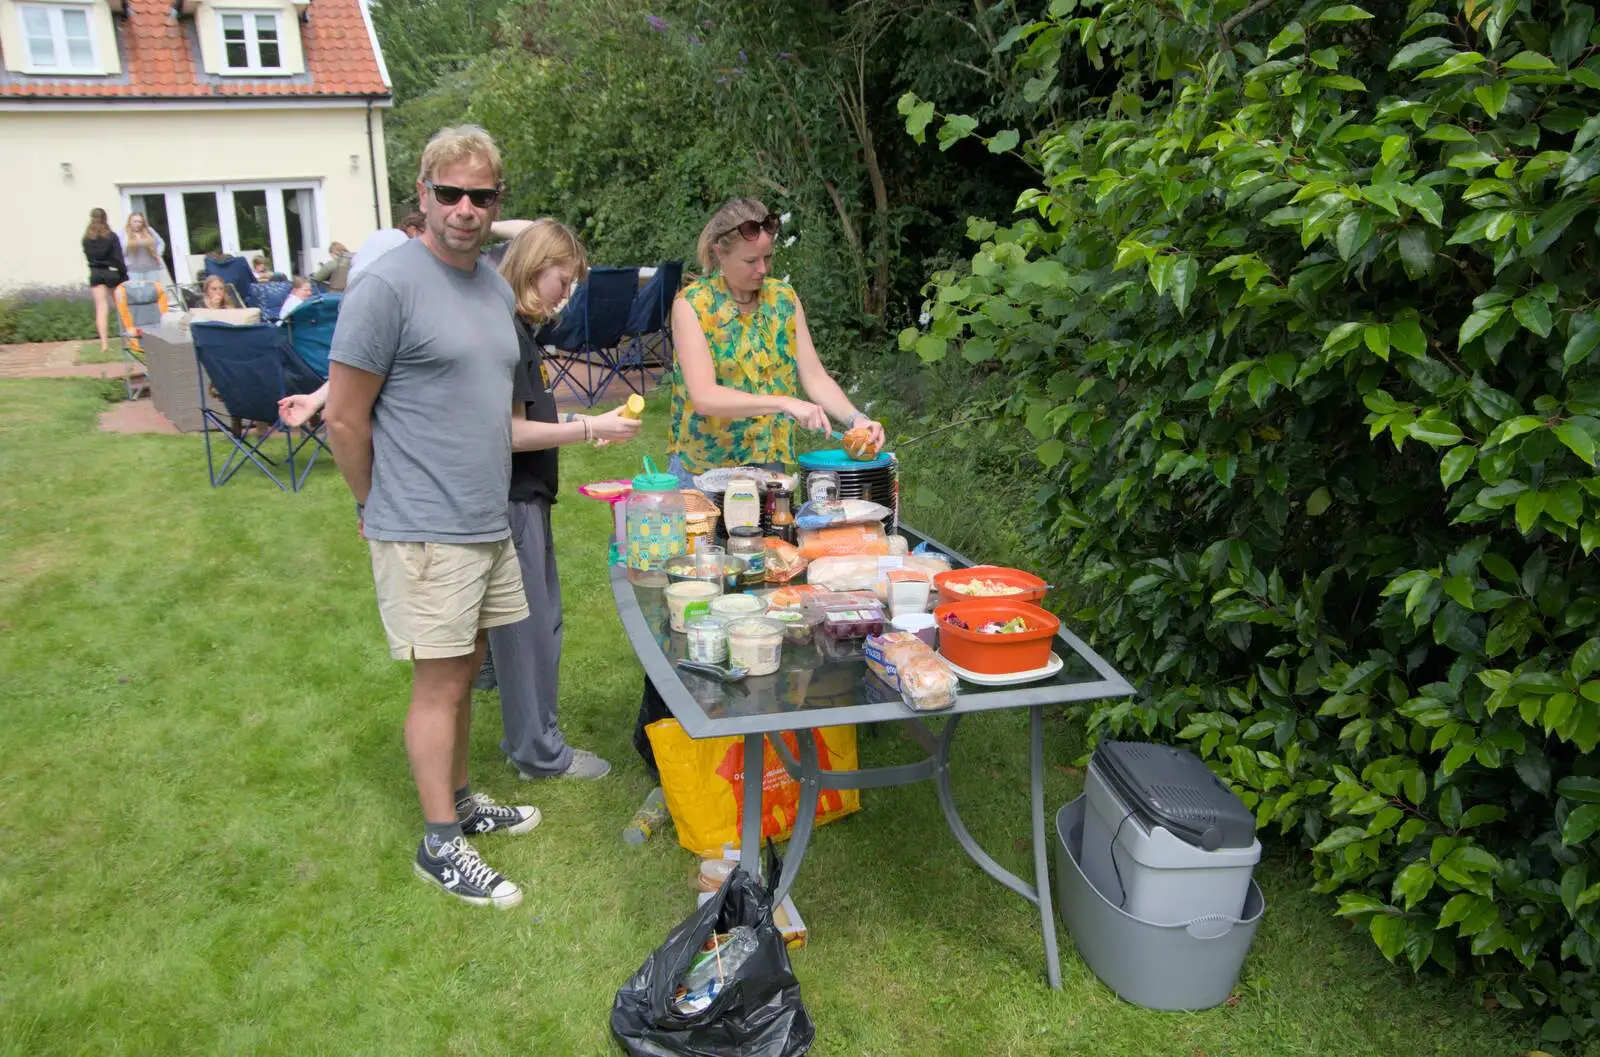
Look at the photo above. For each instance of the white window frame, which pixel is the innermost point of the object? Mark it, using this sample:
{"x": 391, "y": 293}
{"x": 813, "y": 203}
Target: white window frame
{"x": 228, "y": 221}
{"x": 252, "y": 40}
{"x": 60, "y": 53}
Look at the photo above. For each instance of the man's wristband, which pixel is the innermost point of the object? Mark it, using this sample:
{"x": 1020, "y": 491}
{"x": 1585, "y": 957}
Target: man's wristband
{"x": 360, "y": 509}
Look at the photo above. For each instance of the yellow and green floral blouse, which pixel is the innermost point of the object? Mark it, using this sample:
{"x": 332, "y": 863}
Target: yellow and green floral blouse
{"x": 754, "y": 353}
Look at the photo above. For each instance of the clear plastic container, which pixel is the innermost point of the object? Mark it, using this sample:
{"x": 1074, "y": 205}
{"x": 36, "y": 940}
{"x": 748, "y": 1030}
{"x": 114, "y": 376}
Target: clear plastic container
{"x": 708, "y": 640}
{"x": 798, "y": 627}
{"x": 733, "y": 607}
{"x": 756, "y": 645}
{"x": 684, "y": 592}
{"x": 656, "y": 526}
{"x": 852, "y": 623}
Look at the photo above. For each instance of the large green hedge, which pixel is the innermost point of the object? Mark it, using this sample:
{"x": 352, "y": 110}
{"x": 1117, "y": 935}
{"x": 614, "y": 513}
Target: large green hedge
{"x": 1303, "y": 316}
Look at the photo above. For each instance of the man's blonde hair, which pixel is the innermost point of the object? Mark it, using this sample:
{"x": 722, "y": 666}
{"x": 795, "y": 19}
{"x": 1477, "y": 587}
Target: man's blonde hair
{"x": 548, "y": 243}
{"x": 460, "y": 143}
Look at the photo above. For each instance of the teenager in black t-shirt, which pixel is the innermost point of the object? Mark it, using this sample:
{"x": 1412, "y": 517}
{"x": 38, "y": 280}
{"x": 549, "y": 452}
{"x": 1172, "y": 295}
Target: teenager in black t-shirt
{"x": 541, "y": 264}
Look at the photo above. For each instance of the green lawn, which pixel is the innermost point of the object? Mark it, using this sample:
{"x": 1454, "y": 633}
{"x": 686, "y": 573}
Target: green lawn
{"x": 208, "y": 819}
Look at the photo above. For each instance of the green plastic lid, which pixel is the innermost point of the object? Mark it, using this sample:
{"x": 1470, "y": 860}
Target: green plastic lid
{"x": 653, "y": 480}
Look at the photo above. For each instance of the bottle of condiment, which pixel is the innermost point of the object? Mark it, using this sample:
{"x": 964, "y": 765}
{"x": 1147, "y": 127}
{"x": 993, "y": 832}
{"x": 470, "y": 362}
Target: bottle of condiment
{"x": 741, "y": 504}
{"x": 782, "y": 518}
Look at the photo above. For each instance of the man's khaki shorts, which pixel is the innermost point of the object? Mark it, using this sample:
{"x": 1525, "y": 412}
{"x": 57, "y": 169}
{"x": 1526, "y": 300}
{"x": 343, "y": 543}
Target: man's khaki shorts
{"x": 435, "y": 597}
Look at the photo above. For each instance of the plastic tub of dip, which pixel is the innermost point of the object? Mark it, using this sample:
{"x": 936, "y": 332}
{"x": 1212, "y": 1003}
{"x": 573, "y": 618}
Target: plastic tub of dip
{"x": 735, "y": 606}
{"x": 798, "y": 627}
{"x": 686, "y": 591}
{"x": 708, "y": 640}
{"x": 756, "y": 645}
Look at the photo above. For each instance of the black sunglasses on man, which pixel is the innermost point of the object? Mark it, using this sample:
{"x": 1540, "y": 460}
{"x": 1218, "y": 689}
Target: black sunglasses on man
{"x": 481, "y": 197}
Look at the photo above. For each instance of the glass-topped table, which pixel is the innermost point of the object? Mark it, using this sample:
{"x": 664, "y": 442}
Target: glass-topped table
{"x": 826, "y": 685}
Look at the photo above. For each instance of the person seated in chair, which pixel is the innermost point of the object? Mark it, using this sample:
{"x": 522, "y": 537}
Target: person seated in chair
{"x": 263, "y": 270}
{"x": 215, "y": 292}
{"x": 300, "y": 292}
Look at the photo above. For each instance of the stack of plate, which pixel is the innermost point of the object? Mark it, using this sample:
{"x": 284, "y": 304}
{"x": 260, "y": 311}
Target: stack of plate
{"x": 877, "y": 480}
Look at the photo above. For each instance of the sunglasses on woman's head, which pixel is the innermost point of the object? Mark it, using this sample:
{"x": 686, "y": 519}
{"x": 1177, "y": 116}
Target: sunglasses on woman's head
{"x": 751, "y": 230}
{"x": 481, "y": 197}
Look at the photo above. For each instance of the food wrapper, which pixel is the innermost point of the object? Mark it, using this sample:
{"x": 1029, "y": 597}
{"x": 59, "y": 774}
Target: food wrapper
{"x": 823, "y": 513}
{"x": 843, "y": 540}
{"x": 783, "y": 560}
{"x": 909, "y": 665}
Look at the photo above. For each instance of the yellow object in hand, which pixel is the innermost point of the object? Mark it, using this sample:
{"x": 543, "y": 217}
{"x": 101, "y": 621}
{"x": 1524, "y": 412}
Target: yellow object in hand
{"x": 633, "y": 407}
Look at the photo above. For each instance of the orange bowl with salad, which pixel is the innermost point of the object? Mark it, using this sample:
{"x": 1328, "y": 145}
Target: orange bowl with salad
{"x": 993, "y": 582}
{"x": 996, "y": 636}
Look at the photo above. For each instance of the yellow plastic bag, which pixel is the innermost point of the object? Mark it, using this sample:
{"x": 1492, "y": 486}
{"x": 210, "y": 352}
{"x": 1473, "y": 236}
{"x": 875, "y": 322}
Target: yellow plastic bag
{"x": 703, "y": 782}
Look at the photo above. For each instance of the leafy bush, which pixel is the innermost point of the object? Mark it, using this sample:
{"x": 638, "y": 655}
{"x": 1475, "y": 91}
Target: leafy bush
{"x": 46, "y": 315}
{"x": 1303, "y": 320}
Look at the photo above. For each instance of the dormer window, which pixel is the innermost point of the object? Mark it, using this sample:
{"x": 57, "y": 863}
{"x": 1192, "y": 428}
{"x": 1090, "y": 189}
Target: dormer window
{"x": 59, "y": 39}
{"x": 251, "y": 41}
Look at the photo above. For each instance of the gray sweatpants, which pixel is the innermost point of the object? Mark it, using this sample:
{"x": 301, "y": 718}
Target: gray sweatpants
{"x": 527, "y": 654}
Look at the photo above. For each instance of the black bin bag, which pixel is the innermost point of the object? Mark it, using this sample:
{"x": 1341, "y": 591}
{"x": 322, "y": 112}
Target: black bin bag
{"x": 758, "y": 1013}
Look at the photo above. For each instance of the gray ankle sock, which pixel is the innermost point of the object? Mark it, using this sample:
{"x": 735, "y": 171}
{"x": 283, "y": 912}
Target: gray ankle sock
{"x": 437, "y": 834}
{"x": 461, "y": 796}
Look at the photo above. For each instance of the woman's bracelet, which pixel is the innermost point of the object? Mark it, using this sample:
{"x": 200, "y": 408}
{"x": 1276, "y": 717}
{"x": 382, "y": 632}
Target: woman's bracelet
{"x": 850, "y": 423}
{"x": 588, "y": 430}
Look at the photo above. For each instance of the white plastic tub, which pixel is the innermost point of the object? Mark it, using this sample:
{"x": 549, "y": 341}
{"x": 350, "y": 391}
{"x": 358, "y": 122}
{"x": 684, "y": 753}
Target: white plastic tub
{"x": 1176, "y": 966}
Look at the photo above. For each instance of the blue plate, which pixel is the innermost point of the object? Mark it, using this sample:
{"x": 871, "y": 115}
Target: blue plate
{"x": 836, "y": 459}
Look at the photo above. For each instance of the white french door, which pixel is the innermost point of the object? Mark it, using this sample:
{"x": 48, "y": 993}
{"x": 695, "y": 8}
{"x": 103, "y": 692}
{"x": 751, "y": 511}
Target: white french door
{"x": 284, "y": 220}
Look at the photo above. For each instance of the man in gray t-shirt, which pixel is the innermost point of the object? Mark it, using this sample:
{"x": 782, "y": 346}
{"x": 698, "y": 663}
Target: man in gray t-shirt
{"x": 419, "y": 416}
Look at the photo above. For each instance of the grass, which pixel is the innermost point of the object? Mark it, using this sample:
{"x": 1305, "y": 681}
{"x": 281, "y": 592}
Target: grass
{"x": 90, "y": 352}
{"x": 208, "y": 818}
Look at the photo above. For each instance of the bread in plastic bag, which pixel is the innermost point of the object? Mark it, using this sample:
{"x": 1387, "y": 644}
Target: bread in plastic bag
{"x": 926, "y": 683}
{"x": 784, "y": 562}
{"x": 843, "y": 540}
{"x": 823, "y": 513}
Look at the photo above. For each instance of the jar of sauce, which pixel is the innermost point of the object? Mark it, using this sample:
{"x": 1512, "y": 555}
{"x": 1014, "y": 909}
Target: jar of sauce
{"x": 747, "y": 543}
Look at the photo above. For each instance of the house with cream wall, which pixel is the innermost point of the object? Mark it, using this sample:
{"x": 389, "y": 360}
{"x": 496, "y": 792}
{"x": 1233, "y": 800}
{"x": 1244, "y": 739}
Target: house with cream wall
{"x": 249, "y": 124}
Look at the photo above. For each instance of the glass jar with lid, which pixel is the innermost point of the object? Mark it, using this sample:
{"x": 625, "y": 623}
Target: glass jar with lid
{"x": 747, "y": 543}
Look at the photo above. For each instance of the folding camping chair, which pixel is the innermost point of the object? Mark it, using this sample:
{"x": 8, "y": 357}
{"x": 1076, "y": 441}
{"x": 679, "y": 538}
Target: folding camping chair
{"x": 590, "y": 332}
{"x": 139, "y": 305}
{"x": 649, "y": 318}
{"x": 310, "y": 328}
{"x": 268, "y": 296}
{"x": 235, "y": 271}
{"x": 246, "y": 366}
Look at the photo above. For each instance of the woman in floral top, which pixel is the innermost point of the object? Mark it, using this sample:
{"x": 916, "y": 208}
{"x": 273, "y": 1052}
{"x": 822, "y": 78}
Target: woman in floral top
{"x": 744, "y": 354}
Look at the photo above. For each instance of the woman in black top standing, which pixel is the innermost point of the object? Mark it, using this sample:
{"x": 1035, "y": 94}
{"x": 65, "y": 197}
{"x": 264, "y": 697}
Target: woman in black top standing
{"x": 541, "y": 265}
{"x": 103, "y": 251}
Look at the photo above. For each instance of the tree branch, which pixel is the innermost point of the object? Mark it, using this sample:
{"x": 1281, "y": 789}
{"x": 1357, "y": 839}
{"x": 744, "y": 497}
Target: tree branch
{"x": 1233, "y": 23}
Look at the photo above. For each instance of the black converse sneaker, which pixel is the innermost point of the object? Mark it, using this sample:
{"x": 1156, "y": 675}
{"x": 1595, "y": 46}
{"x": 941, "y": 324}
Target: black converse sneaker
{"x": 458, "y": 870}
{"x": 480, "y": 814}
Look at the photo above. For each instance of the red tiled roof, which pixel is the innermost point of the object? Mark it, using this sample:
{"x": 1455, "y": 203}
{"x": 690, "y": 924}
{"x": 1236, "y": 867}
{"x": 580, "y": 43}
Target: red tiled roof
{"x": 161, "y": 61}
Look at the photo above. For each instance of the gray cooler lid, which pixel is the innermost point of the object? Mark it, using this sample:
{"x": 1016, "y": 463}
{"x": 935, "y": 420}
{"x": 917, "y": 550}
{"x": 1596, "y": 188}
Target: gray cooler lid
{"x": 1171, "y": 788}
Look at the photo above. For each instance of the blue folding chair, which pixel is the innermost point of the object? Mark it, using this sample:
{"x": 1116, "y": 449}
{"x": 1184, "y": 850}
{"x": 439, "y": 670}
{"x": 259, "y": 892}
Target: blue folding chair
{"x": 247, "y": 367}
{"x": 591, "y": 332}
{"x": 235, "y": 271}
{"x": 310, "y": 328}
{"x": 268, "y": 296}
{"x": 649, "y": 318}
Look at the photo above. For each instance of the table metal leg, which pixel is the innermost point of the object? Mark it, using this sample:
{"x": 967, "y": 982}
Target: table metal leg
{"x": 1041, "y": 848}
{"x": 750, "y": 828}
{"x": 1037, "y": 893}
{"x": 810, "y": 786}
{"x": 958, "y": 828}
